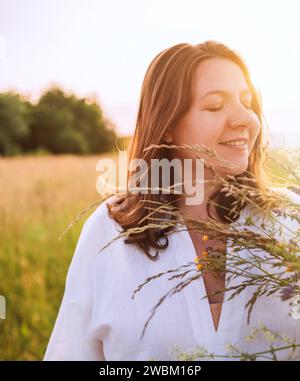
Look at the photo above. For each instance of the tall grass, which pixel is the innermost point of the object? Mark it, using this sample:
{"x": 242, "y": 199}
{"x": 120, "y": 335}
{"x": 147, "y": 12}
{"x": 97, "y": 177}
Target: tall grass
{"x": 39, "y": 196}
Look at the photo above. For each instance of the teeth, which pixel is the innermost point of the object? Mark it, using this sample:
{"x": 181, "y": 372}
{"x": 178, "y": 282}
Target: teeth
{"x": 236, "y": 143}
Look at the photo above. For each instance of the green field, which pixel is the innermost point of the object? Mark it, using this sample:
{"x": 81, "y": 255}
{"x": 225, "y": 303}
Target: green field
{"x": 39, "y": 197}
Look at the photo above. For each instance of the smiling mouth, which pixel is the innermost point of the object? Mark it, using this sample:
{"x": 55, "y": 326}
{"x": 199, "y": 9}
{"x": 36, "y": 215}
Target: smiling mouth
{"x": 236, "y": 144}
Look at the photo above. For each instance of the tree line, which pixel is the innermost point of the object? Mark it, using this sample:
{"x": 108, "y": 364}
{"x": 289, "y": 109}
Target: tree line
{"x": 57, "y": 123}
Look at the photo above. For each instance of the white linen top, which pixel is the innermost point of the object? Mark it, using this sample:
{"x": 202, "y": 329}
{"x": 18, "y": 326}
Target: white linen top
{"x": 98, "y": 319}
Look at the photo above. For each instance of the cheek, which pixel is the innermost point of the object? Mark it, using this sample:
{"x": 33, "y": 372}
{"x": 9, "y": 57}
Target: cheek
{"x": 254, "y": 135}
{"x": 199, "y": 129}
{"x": 211, "y": 130}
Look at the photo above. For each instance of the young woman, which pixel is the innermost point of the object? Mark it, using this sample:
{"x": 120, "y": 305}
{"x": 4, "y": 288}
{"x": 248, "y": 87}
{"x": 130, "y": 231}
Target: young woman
{"x": 191, "y": 94}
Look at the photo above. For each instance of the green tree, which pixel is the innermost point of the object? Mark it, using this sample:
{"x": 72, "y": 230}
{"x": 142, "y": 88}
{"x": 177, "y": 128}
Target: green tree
{"x": 63, "y": 123}
{"x": 14, "y": 119}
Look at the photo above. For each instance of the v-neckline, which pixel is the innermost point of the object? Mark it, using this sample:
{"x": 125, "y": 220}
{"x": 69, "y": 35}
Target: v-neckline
{"x": 206, "y": 304}
{"x": 205, "y": 289}
{"x": 232, "y": 312}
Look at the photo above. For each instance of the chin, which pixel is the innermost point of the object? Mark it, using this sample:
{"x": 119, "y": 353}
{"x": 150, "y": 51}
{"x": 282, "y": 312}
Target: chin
{"x": 238, "y": 167}
{"x": 224, "y": 172}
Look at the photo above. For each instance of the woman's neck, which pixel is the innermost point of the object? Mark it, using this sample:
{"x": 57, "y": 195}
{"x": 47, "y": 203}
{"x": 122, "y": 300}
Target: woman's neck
{"x": 198, "y": 211}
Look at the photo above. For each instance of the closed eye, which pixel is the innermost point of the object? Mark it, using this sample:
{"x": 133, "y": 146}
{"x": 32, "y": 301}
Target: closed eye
{"x": 214, "y": 109}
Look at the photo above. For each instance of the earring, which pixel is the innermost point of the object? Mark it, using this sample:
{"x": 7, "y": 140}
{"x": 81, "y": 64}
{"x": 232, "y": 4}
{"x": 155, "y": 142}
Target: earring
{"x": 169, "y": 139}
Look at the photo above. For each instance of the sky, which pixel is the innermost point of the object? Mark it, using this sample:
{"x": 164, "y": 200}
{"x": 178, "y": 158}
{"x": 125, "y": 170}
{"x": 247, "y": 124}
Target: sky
{"x": 102, "y": 48}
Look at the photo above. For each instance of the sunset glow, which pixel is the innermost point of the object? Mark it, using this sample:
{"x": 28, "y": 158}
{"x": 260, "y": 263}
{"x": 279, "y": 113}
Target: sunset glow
{"x": 103, "y": 48}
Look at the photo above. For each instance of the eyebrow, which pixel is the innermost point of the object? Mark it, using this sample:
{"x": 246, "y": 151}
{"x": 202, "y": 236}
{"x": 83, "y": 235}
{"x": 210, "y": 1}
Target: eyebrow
{"x": 225, "y": 93}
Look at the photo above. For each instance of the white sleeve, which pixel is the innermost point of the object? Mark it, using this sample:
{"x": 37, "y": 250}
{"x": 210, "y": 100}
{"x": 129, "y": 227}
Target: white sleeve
{"x": 71, "y": 339}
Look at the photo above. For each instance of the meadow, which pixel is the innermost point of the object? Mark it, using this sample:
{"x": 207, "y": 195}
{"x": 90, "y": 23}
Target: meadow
{"x": 39, "y": 196}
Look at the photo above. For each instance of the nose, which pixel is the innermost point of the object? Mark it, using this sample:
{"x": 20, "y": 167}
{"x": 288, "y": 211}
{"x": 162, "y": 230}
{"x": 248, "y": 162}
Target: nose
{"x": 249, "y": 121}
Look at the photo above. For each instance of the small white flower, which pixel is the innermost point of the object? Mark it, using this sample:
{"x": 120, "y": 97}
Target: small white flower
{"x": 269, "y": 335}
{"x": 231, "y": 349}
{"x": 252, "y": 335}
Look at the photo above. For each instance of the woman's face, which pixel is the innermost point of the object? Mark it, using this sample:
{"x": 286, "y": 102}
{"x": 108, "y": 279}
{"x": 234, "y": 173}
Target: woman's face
{"x": 221, "y": 111}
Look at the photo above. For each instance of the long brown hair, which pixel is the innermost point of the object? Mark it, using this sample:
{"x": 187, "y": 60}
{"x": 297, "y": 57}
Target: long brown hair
{"x": 164, "y": 99}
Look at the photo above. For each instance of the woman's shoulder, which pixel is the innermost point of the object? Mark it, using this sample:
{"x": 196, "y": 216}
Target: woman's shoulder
{"x": 281, "y": 223}
{"x": 290, "y": 192}
{"x": 100, "y": 219}
{"x": 99, "y": 232}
